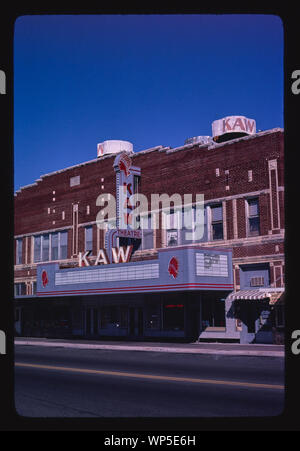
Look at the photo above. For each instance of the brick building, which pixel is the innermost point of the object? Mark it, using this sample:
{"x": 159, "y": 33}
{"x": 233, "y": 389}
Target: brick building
{"x": 241, "y": 175}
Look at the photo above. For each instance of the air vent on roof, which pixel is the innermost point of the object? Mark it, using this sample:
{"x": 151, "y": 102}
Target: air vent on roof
{"x": 199, "y": 140}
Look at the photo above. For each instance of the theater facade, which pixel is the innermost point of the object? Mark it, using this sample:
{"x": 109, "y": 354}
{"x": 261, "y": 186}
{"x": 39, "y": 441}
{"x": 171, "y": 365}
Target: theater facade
{"x": 221, "y": 278}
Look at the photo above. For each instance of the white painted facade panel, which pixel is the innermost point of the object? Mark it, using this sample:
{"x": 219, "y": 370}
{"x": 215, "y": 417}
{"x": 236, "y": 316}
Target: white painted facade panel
{"x": 211, "y": 265}
{"x": 147, "y": 271}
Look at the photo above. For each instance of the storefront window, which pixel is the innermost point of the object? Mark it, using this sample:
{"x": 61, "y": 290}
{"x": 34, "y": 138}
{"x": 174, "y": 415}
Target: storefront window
{"x": 107, "y": 316}
{"x": 213, "y": 313}
{"x": 17, "y": 314}
{"x": 173, "y": 316}
{"x": 237, "y": 314}
{"x": 123, "y": 317}
{"x": 153, "y": 316}
{"x": 238, "y": 324}
{"x": 279, "y": 315}
{"x": 113, "y": 316}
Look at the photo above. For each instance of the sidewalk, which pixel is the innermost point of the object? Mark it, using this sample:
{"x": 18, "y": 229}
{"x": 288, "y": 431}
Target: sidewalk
{"x": 191, "y": 348}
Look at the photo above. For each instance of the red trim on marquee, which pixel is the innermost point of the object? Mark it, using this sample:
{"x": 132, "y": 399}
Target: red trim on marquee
{"x": 143, "y": 288}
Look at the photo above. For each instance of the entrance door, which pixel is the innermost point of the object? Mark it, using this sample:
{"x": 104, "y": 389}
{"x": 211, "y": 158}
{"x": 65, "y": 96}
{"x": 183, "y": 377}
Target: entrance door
{"x": 136, "y": 321}
{"x": 131, "y": 321}
{"x": 88, "y": 322}
{"x": 140, "y": 322}
{"x": 18, "y": 321}
{"x": 95, "y": 321}
{"x": 194, "y": 322}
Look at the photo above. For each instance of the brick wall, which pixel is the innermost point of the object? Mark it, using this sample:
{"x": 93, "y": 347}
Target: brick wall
{"x": 48, "y": 205}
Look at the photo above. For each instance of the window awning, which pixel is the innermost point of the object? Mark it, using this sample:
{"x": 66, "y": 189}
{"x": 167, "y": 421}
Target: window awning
{"x": 274, "y": 295}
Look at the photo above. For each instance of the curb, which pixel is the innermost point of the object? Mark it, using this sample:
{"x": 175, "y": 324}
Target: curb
{"x": 151, "y": 349}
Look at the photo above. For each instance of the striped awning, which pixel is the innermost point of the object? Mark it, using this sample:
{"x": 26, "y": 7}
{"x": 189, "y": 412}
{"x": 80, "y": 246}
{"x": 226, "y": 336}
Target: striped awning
{"x": 277, "y": 298}
{"x": 273, "y": 295}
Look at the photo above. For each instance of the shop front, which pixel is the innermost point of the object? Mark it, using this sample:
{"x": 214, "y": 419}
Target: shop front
{"x": 170, "y": 316}
{"x": 43, "y": 318}
{"x": 260, "y": 312}
{"x": 180, "y": 295}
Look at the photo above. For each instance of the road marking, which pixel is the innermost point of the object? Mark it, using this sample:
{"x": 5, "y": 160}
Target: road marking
{"x": 151, "y": 376}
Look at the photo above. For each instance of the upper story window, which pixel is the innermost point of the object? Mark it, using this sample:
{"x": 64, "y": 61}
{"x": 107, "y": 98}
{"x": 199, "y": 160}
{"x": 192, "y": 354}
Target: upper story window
{"x": 20, "y": 289}
{"x": 253, "y": 217}
{"x": 34, "y": 287}
{"x": 216, "y": 222}
{"x": 88, "y": 238}
{"x": 186, "y": 227}
{"x": 59, "y": 245}
{"x": 172, "y": 238}
{"x": 45, "y": 247}
{"x": 37, "y": 248}
{"x": 147, "y": 233}
{"x": 172, "y": 224}
{"x": 50, "y": 246}
{"x": 194, "y": 228}
{"x": 19, "y": 243}
{"x": 136, "y": 184}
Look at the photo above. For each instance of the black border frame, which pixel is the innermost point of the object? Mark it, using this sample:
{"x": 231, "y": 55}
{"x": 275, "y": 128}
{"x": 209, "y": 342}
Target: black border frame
{"x": 289, "y": 420}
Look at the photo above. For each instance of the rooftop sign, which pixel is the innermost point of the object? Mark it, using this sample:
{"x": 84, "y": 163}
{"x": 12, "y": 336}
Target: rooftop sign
{"x": 233, "y": 124}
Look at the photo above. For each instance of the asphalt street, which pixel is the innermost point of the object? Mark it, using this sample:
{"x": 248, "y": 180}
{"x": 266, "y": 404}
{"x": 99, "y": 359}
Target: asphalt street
{"x": 60, "y": 382}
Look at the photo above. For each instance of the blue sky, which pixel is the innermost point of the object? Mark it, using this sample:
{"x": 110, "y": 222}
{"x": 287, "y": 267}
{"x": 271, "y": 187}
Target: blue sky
{"x": 149, "y": 79}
